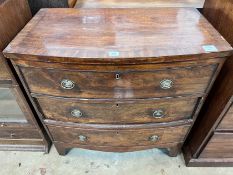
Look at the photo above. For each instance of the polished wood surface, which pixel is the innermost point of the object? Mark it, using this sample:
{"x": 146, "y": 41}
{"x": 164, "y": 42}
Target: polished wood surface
{"x": 19, "y": 126}
{"x": 101, "y": 59}
{"x": 138, "y": 3}
{"x": 117, "y": 36}
{"x": 118, "y": 112}
{"x": 130, "y": 83}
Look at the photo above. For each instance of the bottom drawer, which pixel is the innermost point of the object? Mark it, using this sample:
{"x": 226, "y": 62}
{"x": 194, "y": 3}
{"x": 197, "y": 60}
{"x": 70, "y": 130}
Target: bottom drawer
{"x": 16, "y": 133}
{"x": 118, "y": 137}
{"x": 219, "y": 146}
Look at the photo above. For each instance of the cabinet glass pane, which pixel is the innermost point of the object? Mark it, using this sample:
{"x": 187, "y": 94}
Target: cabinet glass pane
{"x": 9, "y": 108}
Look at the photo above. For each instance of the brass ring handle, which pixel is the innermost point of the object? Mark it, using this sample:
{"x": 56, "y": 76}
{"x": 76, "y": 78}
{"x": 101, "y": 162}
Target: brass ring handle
{"x": 158, "y": 113}
{"x": 166, "y": 84}
{"x": 67, "y": 84}
{"x": 76, "y": 113}
{"x": 153, "y": 138}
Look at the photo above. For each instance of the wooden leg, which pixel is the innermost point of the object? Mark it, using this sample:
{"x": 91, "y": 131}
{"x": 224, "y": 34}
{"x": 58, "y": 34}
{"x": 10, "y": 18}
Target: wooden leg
{"x": 62, "y": 151}
{"x": 175, "y": 150}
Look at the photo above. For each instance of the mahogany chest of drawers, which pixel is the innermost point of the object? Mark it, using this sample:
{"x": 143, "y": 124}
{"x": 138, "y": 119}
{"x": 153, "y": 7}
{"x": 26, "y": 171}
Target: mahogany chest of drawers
{"x": 19, "y": 129}
{"x": 118, "y": 79}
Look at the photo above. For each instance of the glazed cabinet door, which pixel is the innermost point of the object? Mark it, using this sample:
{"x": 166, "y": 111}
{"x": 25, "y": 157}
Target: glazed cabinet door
{"x": 11, "y": 109}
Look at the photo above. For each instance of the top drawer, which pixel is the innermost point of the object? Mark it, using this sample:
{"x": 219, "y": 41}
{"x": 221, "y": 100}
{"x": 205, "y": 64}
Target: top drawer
{"x": 119, "y": 84}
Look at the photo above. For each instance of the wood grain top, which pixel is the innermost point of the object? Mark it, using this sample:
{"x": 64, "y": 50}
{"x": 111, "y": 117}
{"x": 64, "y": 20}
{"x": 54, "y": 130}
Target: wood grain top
{"x": 117, "y": 35}
{"x": 138, "y": 3}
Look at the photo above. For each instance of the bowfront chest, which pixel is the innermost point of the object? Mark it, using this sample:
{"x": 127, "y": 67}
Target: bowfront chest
{"x": 118, "y": 79}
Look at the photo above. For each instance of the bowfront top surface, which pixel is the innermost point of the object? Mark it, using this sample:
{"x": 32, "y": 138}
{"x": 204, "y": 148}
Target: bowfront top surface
{"x": 117, "y": 35}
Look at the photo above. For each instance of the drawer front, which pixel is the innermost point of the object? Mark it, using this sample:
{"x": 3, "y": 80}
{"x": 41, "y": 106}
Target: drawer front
{"x": 227, "y": 121}
{"x": 125, "y": 84}
{"x": 15, "y": 133}
{"x": 219, "y": 146}
{"x": 132, "y": 137}
{"x": 140, "y": 111}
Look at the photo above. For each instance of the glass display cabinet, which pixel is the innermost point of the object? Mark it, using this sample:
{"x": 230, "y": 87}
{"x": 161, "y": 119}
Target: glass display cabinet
{"x": 10, "y": 112}
{"x": 20, "y": 128}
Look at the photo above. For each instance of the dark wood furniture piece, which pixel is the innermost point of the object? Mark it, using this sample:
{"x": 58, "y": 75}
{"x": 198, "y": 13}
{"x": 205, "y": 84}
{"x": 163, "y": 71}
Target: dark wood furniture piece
{"x": 36, "y": 5}
{"x": 118, "y": 79}
{"x": 19, "y": 129}
{"x": 72, "y": 3}
{"x": 138, "y": 3}
{"x": 211, "y": 140}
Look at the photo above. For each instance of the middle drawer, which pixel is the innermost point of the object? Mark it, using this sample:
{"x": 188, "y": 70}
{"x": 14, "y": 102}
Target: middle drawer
{"x": 137, "y": 111}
